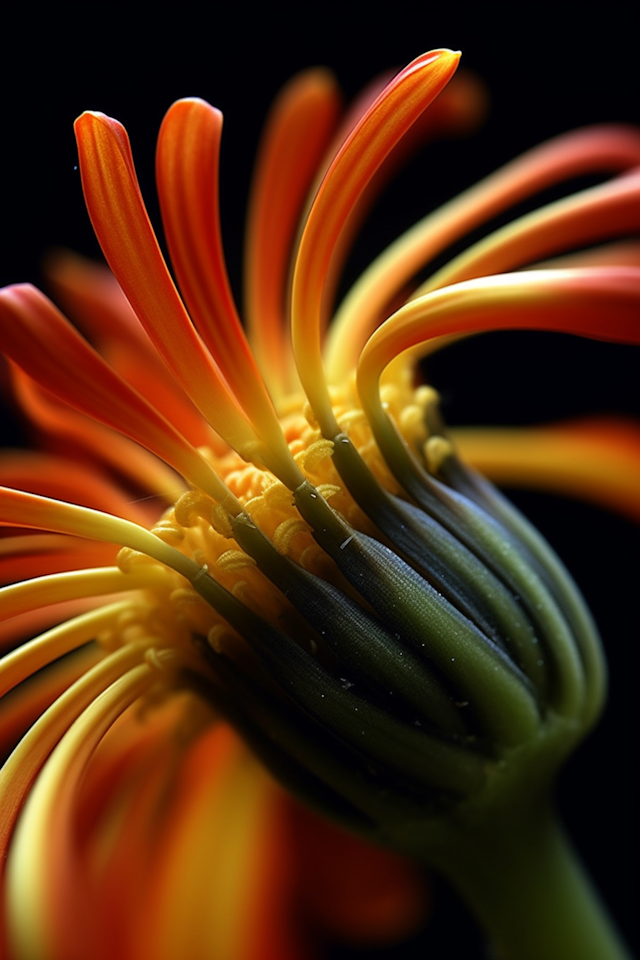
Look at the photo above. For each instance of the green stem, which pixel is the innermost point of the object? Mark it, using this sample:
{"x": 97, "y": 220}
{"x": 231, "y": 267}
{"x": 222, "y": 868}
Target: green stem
{"x": 529, "y": 891}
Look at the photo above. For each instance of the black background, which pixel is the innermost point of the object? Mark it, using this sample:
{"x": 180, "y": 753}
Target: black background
{"x": 547, "y": 69}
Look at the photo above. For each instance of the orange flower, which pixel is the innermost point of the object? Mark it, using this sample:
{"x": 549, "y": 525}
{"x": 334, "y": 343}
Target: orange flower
{"x": 307, "y": 490}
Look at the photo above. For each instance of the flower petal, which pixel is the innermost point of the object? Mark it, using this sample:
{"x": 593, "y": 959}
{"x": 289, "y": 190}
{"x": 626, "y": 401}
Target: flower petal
{"x": 91, "y": 296}
{"x": 224, "y": 825}
{"x": 596, "y": 460}
{"x": 595, "y": 149}
{"x": 187, "y": 168}
{"x": 40, "y": 877}
{"x": 598, "y": 302}
{"x": 53, "y": 476}
{"x": 21, "y": 509}
{"x": 36, "y": 555}
{"x": 40, "y": 651}
{"x": 58, "y": 423}
{"x": 392, "y": 114}
{"x": 129, "y": 244}
{"x": 36, "y": 336}
{"x": 610, "y": 209}
{"x": 58, "y": 587}
{"x": 293, "y": 144}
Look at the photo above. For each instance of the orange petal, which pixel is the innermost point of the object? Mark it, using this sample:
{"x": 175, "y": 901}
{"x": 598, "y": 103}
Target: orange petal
{"x": 293, "y": 144}
{"x": 22, "y": 767}
{"x": 119, "y": 817}
{"x": 35, "y": 555}
{"x": 21, "y": 708}
{"x": 35, "y": 621}
{"x": 52, "y": 476}
{"x": 187, "y": 172}
{"x": 223, "y": 838}
{"x": 595, "y": 149}
{"x": 20, "y": 509}
{"x": 73, "y": 585}
{"x": 388, "y": 119}
{"x": 459, "y": 107}
{"x": 608, "y": 210}
{"x": 36, "y": 336}
{"x": 129, "y": 244}
{"x": 351, "y": 890}
{"x": 45, "y": 904}
{"x": 60, "y": 426}
{"x": 92, "y": 297}
{"x": 597, "y": 460}
{"x": 27, "y": 659}
{"x": 598, "y": 302}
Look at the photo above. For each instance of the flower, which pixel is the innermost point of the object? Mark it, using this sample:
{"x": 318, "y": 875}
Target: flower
{"x": 390, "y": 637}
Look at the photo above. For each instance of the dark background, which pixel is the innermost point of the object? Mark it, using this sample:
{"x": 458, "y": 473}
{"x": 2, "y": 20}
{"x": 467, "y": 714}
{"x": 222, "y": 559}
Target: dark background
{"x": 547, "y": 70}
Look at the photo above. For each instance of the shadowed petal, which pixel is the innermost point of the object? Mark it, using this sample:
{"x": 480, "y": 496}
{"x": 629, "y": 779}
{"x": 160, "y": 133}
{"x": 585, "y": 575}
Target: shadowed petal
{"x": 596, "y": 460}
{"x": 41, "y": 341}
{"x": 295, "y": 139}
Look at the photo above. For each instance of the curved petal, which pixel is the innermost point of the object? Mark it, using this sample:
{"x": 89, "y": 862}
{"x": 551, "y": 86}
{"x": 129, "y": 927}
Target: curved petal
{"x": 21, "y": 509}
{"x": 608, "y": 210}
{"x": 598, "y": 302}
{"x": 187, "y": 169}
{"x": 294, "y": 141}
{"x": 36, "y": 555}
{"x": 120, "y": 818}
{"x": 223, "y": 836}
{"x": 392, "y": 114}
{"x": 22, "y": 767}
{"x": 40, "y": 651}
{"x": 127, "y": 239}
{"x": 459, "y": 107}
{"x": 52, "y": 476}
{"x": 596, "y": 460}
{"x": 20, "y": 709}
{"x": 356, "y": 892}
{"x": 91, "y": 296}
{"x": 36, "y": 336}
{"x": 59, "y": 424}
{"x": 17, "y": 598}
{"x": 595, "y": 149}
{"x": 44, "y": 900}
{"x": 129, "y": 244}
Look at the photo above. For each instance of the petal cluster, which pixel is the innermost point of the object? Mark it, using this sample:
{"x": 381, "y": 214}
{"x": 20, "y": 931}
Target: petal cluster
{"x": 269, "y": 522}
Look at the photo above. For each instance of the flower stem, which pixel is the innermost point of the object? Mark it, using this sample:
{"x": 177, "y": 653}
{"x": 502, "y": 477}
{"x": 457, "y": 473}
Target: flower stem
{"x": 531, "y": 894}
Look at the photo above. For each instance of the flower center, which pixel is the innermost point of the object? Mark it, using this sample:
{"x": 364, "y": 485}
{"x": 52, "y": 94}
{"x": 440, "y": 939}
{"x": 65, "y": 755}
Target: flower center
{"x": 201, "y": 529}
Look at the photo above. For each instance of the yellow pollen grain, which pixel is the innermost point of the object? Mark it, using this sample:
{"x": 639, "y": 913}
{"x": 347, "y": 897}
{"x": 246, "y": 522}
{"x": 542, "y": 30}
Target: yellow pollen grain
{"x": 192, "y": 506}
{"x": 219, "y": 520}
{"x": 221, "y": 637}
{"x": 232, "y": 560}
{"x": 286, "y": 531}
{"x": 127, "y": 557}
{"x": 167, "y": 531}
{"x": 436, "y": 451}
{"x": 309, "y": 459}
{"x": 350, "y": 419}
{"x": 182, "y": 596}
